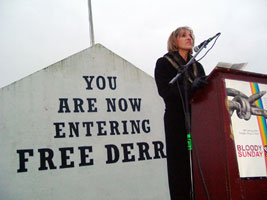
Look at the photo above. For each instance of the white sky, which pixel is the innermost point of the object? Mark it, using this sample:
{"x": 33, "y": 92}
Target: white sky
{"x": 37, "y": 33}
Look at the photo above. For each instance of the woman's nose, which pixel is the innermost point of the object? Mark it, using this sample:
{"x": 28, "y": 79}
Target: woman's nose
{"x": 189, "y": 37}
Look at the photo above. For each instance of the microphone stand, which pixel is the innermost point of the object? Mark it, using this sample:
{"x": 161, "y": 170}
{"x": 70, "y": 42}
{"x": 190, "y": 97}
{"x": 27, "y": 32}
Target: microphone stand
{"x": 189, "y": 63}
{"x": 187, "y": 113}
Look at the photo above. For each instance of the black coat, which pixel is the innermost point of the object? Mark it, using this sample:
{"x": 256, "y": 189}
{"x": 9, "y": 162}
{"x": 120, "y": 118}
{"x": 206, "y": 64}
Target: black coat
{"x": 174, "y": 123}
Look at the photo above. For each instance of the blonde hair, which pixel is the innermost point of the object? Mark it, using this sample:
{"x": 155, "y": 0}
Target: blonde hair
{"x": 171, "y": 45}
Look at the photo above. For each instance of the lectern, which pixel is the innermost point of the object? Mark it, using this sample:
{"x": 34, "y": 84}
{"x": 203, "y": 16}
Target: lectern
{"x": 215, "y": 157}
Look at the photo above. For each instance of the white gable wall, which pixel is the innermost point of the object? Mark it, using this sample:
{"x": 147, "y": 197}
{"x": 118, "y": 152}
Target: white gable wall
{"x": 30, "y": 114}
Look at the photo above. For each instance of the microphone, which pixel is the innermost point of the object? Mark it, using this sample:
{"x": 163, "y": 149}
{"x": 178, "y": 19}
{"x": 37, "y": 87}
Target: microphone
{"x": 196, "y": 48}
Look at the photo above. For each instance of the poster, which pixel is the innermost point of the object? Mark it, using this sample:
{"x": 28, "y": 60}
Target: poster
{"x": 247, "y": 105}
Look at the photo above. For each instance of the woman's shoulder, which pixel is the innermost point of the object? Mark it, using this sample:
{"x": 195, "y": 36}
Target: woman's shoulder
{"x": 162, "y": 61}
{"x": 198, "y": 64}
{"x": 200, "y": 68}
{"x": 163, "y": 66}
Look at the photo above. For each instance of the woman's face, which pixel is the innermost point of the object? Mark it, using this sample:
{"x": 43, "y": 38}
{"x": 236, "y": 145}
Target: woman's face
{"x": 184, "y": 40}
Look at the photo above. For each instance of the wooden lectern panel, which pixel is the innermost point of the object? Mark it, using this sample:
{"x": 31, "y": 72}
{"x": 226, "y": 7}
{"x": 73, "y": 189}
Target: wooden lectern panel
{"x": 213, "y": 143}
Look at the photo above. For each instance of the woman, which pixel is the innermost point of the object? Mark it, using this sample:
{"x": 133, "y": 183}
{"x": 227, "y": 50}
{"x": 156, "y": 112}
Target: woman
{"x": 180, "y": 44}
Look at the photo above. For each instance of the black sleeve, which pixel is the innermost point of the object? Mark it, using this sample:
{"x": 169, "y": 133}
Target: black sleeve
{"x": 164, "y": 73}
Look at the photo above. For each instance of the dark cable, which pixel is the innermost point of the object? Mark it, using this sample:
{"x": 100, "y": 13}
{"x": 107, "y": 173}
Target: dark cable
{"x": 200, "y": 170}
{"x": 209, "y": 49}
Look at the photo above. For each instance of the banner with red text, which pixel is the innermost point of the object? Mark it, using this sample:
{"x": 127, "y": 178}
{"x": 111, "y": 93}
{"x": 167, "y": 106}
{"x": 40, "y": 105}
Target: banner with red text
{"x": 247, "y": 104}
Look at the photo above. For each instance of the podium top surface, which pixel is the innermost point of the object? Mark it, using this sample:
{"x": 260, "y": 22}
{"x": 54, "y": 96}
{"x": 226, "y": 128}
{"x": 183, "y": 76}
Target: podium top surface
{"x": 217, "y": 70}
